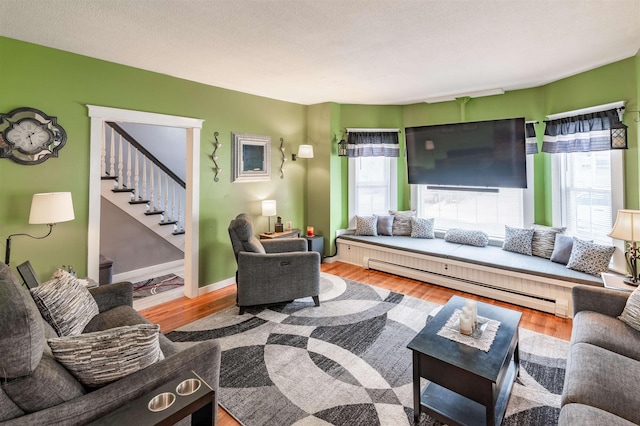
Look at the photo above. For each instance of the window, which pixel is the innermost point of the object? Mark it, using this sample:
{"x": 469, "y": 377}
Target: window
{"x": 586, "y": 196}
{"x": 485, "y": 210}
{"x": 372, "y": 186}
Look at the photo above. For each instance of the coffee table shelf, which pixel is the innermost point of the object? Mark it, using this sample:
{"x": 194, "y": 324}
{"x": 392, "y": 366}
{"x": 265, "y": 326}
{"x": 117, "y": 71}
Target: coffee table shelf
{"x": 450, "y": 407}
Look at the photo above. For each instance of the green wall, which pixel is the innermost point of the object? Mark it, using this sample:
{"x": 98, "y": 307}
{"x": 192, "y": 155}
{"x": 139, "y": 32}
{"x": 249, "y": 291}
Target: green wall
{"x": 61, "y": 84}
{"x": 314, "y": 191}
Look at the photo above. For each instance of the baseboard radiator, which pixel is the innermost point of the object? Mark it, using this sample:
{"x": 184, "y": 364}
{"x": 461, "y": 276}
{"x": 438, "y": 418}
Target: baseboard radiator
{"x": 535, "y": 292}
{"x": 481, "y": 289}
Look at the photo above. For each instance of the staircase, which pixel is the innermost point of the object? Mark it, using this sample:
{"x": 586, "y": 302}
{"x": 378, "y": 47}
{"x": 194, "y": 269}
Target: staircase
{"x": 140, "y": 185}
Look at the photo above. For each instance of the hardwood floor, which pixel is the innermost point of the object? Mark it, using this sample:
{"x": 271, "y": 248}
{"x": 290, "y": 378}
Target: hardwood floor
{"x": 182, "y": 311}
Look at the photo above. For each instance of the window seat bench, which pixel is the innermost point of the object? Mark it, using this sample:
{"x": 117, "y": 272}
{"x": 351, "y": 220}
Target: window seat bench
{"x": 528, "y": 281}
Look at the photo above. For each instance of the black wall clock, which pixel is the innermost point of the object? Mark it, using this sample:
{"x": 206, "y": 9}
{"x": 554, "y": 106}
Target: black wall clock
{"x": 29, "y": 136}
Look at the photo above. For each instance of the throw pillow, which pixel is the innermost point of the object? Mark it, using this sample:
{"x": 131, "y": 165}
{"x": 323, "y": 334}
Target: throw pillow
{"x": 65, "y": 303}
{"x": 385, "y": 225}
{"x": 517, "y": 240}
{"x": 101, "y": 357}
{"x": 589, "y": 257}
{"x": 402, "y": 221}
{"x": 631, "y": 313}
{"x": 467, "y": 236}
{"x": 422, "y": 228}
{"x": 544, "y": 239}
{"x": 562, "y": 249}
{"x": 367, "y": 225}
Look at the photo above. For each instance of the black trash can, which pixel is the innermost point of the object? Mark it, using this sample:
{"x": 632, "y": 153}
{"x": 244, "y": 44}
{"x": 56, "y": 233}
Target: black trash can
{"x": 106, "y": 270}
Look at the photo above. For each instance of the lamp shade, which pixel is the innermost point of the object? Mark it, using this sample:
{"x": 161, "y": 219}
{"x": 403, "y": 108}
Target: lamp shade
{"x": 627, "y": 226}
{"x": 268, "y": 207}
{"x": 51, "y": 207}
{"x": 305, "y": 151}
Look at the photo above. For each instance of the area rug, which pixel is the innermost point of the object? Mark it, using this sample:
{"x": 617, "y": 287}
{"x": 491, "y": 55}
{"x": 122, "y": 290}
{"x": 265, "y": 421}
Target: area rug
{"x": 346, "y": 361}
{"x": 156, "y": 285}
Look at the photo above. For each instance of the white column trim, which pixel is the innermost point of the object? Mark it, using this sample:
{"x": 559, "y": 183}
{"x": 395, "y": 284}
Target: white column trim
{"x": 99, "y": 115}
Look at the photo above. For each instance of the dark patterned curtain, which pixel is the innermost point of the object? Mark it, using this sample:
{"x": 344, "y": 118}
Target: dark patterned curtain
{"x": 530, "y": 138}
{"x": 373, "y": 144}
{"x": 580, "y": 133}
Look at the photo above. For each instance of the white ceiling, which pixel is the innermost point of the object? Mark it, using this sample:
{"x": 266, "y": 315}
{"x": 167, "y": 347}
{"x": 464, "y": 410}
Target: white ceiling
{"x": 345, "y": 51}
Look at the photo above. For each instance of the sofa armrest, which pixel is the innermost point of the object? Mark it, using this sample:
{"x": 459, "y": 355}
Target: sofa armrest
{"x": 203, "y": 358}
{"x": 283, "y": 245}
{"x": 110, "y": 296}
{"x": 598, "y": 299}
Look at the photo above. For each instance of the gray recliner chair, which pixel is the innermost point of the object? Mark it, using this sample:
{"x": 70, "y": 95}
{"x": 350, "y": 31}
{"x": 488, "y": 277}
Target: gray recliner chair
{"x": 272, "y": 271}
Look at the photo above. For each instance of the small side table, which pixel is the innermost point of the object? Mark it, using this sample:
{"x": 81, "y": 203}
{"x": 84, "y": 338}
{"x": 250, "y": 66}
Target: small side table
{"x": 616, "y": 282}
{"x": 315, "y": 243}
{"x": 199, "y": 404}
{"x": 291, "y": 233}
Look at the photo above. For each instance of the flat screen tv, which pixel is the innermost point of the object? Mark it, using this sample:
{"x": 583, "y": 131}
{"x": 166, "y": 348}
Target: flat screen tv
{"x": 474, "y": 154}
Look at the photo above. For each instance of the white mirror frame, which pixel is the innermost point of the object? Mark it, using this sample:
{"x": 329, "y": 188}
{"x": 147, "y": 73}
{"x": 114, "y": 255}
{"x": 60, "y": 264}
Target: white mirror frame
{"x": 241, "y": 168}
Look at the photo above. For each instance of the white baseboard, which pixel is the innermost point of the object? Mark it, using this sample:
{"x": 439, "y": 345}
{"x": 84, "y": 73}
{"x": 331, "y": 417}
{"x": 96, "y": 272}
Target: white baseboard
{"x": 216, "y": 286}
{"x": 137, "y": 275}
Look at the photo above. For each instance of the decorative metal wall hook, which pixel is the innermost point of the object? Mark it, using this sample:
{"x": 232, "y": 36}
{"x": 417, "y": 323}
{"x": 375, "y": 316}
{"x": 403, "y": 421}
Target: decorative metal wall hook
{"x": 214, "y": 156}
{"x": 284, "y": 158}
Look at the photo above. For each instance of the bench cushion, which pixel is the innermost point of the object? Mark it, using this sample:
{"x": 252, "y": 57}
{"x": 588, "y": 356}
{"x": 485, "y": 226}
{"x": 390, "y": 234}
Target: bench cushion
{"x": 490, "y": 256}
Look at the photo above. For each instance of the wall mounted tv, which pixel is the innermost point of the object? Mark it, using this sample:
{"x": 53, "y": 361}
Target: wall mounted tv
{"x": 473, "y": 154}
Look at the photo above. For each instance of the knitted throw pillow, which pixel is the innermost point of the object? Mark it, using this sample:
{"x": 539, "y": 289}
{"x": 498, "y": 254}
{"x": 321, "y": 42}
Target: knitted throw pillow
{"x": 65, "y": 303}
{"x": 544, "y": 239}
{"x": 402, "y": 221}
{"x": 101, "y": 357}
{"x": 631, "y": 313}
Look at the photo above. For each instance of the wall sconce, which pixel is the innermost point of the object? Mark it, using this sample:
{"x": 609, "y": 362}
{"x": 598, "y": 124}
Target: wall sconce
{"x": 618, "y": 132}
{"x": 304, "y": 151}
{"x": 342, "y": 148}
{"x": 269, "y": 209}
{"x": 48, "y": 208}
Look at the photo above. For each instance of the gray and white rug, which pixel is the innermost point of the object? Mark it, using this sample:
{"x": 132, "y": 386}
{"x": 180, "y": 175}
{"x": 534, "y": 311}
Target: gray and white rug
{"x": 157, "y": 285}
{"x": 346, "y": 361}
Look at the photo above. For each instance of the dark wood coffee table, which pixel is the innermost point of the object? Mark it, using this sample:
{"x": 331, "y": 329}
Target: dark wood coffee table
{"x": 467, "y": 386}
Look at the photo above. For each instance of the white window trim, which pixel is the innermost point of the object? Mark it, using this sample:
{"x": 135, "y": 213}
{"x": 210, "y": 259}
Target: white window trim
{"x": 393, "y": 188}
{"x": 618, "y": 262}
{"x": 527, "y": 196}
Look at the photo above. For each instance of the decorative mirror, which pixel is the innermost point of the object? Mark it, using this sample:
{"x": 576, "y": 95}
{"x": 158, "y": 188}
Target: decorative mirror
{"x": 29, "y": 136}
{"x": 251, "y": 158}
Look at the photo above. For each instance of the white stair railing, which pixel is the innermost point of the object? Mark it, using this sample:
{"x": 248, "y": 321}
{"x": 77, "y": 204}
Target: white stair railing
{"x": 141, "y": 174}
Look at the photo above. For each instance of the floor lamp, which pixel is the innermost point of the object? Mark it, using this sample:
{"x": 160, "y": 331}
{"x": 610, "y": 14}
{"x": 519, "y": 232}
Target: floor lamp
{"x": 48, "y": 208}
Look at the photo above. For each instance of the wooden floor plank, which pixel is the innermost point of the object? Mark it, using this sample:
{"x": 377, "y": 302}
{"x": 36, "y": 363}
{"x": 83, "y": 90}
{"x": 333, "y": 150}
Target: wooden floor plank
{"x": 179, "y": 312}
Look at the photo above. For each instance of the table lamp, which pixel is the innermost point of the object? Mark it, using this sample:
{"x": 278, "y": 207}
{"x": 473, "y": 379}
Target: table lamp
{"x": 627, "y": 228}
{"x": 48, "y": 208}
{"x": 269, "y": 209}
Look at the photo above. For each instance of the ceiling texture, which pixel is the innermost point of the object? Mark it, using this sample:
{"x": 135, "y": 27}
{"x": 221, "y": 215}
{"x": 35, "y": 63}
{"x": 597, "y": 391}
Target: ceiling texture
{"x": 381, "y": 52}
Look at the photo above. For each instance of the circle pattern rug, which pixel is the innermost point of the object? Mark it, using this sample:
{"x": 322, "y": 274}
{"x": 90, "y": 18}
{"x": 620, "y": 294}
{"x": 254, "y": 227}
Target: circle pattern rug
{"x": 346, "y": 361}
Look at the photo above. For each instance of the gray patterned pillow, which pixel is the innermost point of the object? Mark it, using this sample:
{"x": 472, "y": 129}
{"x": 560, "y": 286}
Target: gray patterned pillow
{"x": 517, "y": 240}
{"x": 402, "y": 221}
{"x": 631, "y": 313}
{"x": 467, "y": 236}
{"x": 98, "y": 358}
{"x": 65, "y": 303}
{"x": 544, "y": 239}
{"x": 422, "y": 228}
{"x": 385, "y": 225}
{"x": 367, "y": 225}
{"x": 590, "y": 257}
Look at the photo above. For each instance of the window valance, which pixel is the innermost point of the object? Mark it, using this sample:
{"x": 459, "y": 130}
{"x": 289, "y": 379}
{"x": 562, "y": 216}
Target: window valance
{"x": 580, "y": 133}
{"x": 373, "y": 144}
{"x": 531, "y": 141}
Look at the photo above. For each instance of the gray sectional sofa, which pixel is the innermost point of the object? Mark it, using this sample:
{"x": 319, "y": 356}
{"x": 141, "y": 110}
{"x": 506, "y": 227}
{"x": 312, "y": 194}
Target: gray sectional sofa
{"x": 602, "y": 380}
{"x": 35, "y": 389}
